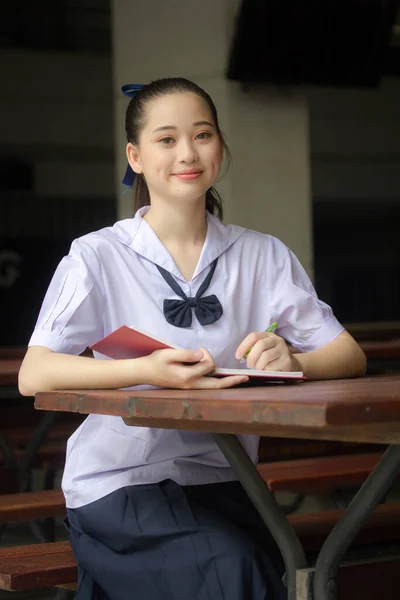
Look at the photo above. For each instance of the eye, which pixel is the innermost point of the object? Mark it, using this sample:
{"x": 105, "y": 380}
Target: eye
{"x": 166, "y": 140}
{"x": 203, "y": 135}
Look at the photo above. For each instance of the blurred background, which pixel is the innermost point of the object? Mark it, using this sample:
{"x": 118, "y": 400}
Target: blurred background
{"x": 308, "y": 93}
{"x": 309, "y": 100}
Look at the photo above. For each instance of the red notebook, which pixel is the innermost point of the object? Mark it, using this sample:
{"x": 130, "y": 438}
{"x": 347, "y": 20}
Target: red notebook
{"x": 126, "y": 342}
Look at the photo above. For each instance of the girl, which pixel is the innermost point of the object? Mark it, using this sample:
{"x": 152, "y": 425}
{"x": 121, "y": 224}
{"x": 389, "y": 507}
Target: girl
{"x": 157, "y": 514}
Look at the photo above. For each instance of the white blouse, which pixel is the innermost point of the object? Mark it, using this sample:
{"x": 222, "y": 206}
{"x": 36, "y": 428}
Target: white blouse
{"x": 109, "y": 279}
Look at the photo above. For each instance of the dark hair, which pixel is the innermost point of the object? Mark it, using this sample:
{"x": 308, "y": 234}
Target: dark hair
{"x": 134, "y": 121}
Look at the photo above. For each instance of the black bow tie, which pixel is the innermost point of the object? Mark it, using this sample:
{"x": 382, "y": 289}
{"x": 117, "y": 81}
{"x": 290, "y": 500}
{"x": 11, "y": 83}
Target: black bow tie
{"x": 179, "y": 312}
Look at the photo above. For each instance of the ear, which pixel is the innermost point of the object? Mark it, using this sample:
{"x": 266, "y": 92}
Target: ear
{"x": 133, "y": 156}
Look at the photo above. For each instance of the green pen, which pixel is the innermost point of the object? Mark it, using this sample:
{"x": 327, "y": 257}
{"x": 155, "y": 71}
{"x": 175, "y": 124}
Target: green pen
{"x": 270, "y": 329}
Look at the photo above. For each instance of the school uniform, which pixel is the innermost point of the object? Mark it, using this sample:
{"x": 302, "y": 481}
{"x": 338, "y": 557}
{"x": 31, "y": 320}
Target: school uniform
{"x": 137, "y": 497}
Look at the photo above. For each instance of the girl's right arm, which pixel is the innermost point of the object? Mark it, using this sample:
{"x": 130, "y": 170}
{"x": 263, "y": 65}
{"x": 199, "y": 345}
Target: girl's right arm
{"x": 43, "y": 370}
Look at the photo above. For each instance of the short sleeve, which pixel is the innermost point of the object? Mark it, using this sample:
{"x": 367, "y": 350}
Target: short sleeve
{"x": 71, "y": 316}
{"x": 303, "y": 319}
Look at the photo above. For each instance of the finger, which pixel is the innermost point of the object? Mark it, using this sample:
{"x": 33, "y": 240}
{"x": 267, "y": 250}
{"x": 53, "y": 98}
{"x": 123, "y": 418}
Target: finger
{"x": 206, "y": 354}
{"x": 266, "y": 357}
{"x": 182, "y": 356}
{"x": 269, "y": 339}
{"x": 262, "y": 346}
{"x": 215, "y": 383}
{"x": 276, "y": 365}
{"x": 190, "y": 372}
{"x": 247, "y": 343}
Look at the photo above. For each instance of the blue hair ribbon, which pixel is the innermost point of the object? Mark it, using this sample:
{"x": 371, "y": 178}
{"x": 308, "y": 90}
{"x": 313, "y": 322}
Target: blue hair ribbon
{"x": 130, "y": 90}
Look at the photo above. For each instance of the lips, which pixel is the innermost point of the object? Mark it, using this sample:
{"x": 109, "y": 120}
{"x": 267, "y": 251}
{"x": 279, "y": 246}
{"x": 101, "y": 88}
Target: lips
{"x": 188, "y": 174}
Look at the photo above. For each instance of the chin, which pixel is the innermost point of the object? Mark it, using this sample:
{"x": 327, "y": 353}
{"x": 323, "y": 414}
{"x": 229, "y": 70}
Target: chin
{"x": 190, "y": 193}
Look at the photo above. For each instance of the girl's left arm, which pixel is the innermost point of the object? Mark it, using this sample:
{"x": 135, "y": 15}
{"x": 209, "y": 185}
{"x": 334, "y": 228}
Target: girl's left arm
{"x": 340, "y": 358}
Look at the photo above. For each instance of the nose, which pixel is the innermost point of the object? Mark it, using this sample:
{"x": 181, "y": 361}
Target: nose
{"x": 187, "y": 151}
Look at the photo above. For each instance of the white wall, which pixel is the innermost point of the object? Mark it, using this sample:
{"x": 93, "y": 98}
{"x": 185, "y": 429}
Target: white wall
{"x": 269, "y": 188}
{"x": 56, "y": 112}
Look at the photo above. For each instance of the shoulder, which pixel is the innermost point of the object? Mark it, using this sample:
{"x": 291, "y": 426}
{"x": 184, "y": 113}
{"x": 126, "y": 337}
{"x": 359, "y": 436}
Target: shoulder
{"x": 93, "y": 245}
{"x": 256, "y": 241}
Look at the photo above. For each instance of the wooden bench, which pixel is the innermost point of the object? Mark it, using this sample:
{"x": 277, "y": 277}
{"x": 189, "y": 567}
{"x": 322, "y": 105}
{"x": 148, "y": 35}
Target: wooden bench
{"x": 321, "y": 475}
{"x": 31, "y": 505}
{"x": 36, "y": 566}
{"x": 17, "y": 430}
{"x": 53, "y": 564}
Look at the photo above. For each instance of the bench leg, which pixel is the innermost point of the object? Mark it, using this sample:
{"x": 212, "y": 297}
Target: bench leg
{"x": 363, "y": 504}
{"x": 64, "y": 594}
{"x": 41, "y": 531}
{"x": 2, "y": 529}
{"x": 7, "y": 452}
{"x": 269, "y": 510}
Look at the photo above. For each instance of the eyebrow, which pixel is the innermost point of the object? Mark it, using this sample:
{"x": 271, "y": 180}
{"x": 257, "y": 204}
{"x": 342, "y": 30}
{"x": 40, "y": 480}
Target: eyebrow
{"x": 196, "y": 124}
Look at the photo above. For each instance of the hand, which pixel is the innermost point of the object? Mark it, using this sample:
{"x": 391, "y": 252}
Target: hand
{"x": 269, "y": 352}
{"x": 166, "y": 368}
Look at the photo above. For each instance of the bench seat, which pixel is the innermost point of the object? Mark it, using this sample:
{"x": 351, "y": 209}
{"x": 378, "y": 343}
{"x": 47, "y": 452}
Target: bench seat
{"x": 53, "y": 564}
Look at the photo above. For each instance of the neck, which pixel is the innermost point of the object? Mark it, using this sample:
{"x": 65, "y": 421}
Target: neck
{"x": 179, "y": 225}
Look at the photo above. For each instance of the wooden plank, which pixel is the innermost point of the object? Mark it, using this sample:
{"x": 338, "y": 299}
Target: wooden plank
{"x": 316, "y": 404}
{"x": 322, "y": 474}
{"x": 51, "y": 455}
{"x": 34, "y": 550}
{"x": 280, "y": 449}
{"x": 316, "y": 475}
{"x": 363, "y": 579}
{"x": 10, "y": 352}
{"x": 382, "y": 526}
{"x": 21, "y": 435}
{"x": 45, "y": 570}
{"x": 44, "y": 565}
{"x": 381, "y": 350}
{"x": 9, "y": 371}
{"x": 381, "y": 330}
{"x": 31, "y": 505}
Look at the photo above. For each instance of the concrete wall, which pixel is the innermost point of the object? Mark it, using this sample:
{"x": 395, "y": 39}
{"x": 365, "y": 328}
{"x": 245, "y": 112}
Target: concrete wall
{"x": 267, "y": 132}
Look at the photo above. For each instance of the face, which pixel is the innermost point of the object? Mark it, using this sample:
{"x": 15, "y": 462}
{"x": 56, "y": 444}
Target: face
{"x": 179, "y": 151}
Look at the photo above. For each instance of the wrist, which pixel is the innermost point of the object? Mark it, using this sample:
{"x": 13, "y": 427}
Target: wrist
{"x": 298, "y": 364}
{"x": 141, "y": 371}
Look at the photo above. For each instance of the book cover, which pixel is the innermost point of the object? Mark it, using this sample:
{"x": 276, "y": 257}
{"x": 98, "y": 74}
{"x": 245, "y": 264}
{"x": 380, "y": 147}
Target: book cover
{"x": 127, "y": 342}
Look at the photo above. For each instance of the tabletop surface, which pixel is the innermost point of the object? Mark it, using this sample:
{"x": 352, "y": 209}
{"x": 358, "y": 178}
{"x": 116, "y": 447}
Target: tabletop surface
{"x": 363, "y": 404}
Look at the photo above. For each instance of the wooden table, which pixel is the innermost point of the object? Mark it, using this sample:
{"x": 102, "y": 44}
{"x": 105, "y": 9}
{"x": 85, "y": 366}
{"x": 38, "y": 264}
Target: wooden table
{"x": 358, "y": 410}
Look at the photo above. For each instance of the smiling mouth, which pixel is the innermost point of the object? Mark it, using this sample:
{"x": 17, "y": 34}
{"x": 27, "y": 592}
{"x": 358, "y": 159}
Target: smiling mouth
{"x": 188, "y": 175}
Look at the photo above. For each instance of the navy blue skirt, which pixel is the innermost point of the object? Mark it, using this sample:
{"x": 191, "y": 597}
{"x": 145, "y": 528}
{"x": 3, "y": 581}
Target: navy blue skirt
{"x": 167, "y": 542}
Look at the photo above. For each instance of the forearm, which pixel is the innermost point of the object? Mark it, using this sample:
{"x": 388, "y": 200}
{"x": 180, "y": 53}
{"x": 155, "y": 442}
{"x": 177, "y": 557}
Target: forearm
{"x": 340, "y": 358}
{"x": 44, "y": 370}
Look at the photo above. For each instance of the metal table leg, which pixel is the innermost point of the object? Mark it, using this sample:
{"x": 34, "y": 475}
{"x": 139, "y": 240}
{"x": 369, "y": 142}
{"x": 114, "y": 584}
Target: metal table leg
{"x": 269, "y": 510}
{"x": 344, "y": 532}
